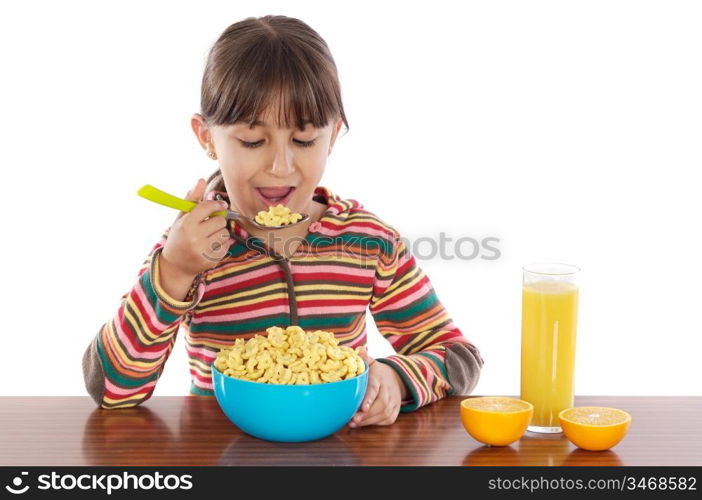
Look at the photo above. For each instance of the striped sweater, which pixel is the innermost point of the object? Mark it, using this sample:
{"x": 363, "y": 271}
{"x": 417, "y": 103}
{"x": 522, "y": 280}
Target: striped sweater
{"x": 350, "y": 260}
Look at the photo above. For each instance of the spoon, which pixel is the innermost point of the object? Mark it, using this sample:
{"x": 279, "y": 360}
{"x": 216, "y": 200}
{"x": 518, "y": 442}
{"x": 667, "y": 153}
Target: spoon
{"x": 162, "y": 198}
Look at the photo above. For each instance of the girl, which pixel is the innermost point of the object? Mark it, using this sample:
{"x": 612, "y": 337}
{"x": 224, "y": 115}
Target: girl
{"x": 270, "y": 113}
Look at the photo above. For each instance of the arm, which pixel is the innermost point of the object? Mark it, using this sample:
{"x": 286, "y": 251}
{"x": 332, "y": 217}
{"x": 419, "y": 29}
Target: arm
{"x": 433, "y": 357}
{"x": 127, "y": 356}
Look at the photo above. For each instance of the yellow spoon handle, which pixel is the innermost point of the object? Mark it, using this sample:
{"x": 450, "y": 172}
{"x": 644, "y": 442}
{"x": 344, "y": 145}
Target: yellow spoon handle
{"x": 162, "y": 198}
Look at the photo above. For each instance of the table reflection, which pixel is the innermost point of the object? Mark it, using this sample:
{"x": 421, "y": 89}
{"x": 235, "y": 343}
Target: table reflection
{"x": 133, "y": 436}
{"x": 406, "y": 442}
{"x": 579, "y": 457}
{"x": 248, "y": 450}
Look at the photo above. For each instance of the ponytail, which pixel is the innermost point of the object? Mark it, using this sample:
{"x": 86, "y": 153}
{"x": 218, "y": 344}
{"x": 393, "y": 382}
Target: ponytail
{"x": 215, "y": 182}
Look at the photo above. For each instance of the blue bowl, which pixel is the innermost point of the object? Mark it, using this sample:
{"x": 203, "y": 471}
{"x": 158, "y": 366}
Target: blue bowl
{"x": 289, "y": 413}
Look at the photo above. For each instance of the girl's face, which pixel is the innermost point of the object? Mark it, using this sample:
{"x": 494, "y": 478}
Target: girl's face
{"x": 266, "y": 165}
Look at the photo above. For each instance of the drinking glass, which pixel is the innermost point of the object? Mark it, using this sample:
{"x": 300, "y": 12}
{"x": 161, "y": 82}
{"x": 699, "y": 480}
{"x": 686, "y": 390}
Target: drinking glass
{"x": 549, "y": 324}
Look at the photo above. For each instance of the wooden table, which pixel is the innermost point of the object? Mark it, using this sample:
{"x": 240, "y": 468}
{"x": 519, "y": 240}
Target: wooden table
{"x": 192, "y": 430}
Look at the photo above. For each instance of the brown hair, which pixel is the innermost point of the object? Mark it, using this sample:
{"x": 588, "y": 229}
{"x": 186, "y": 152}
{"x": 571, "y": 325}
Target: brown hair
{"x": 258, "y": 60}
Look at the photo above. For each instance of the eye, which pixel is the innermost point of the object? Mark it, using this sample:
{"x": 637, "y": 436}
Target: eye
{"x": 302, "y": 144}
{"x": 251, "y": 145}
{"x": 305, "y": 144}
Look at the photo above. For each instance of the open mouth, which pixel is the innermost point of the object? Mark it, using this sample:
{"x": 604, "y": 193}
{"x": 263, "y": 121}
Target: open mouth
{"x": 273, "y": 195}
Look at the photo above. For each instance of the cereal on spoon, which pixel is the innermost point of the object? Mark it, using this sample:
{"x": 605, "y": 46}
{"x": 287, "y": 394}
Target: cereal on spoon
{"x": 277, "y": 215}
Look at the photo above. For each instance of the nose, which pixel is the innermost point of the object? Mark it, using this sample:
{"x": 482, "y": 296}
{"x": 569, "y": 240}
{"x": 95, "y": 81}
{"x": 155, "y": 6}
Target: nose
{"x": 283, "y": 162}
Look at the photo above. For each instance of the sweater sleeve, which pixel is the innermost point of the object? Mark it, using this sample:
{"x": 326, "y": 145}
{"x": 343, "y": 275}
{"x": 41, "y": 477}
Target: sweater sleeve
{"x": 125, "y": 359}
{"x": 433, "y": 358}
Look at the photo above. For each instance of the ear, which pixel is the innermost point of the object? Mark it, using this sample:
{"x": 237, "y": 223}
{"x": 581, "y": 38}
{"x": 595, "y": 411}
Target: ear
{"x": 201, "y": 130}
{"x": 335, "y": 133}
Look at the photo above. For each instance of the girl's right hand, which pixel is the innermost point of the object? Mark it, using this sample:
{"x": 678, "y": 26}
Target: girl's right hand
{"x": 195, "y": 245}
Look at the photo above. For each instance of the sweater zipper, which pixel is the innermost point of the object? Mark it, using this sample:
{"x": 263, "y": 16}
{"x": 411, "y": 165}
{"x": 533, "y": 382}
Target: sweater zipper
{"x": 290, "y": 285}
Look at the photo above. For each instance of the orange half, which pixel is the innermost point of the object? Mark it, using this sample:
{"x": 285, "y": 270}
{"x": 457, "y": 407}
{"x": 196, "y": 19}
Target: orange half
{"x": 496, "y": 421}
{"x": 594, "y": 428}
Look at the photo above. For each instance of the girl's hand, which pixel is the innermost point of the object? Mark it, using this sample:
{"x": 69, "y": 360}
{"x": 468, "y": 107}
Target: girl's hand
{"x": 384, "y": 395}
{"x": 195, "y": 242}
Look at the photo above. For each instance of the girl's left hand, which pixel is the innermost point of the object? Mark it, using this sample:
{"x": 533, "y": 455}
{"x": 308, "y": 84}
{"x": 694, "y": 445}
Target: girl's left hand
{"x": 384, "y": 395}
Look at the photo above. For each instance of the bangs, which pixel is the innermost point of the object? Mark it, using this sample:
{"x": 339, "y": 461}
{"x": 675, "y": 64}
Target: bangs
{"x": 281, "y": 77}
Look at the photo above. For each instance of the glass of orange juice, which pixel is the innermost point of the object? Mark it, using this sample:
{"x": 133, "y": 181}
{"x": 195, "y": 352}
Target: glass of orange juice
{"x": 549, "y": 323}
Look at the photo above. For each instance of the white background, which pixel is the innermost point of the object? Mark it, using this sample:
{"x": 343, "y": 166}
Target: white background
{"x": 569, "y": 130}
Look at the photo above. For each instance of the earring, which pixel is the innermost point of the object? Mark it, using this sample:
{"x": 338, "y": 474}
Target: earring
{"x": 212, "y": 155}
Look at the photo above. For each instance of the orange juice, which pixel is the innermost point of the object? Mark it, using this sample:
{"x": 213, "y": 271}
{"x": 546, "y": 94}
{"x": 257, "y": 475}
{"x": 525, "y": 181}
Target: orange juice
{"x": 549, "y": 321}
